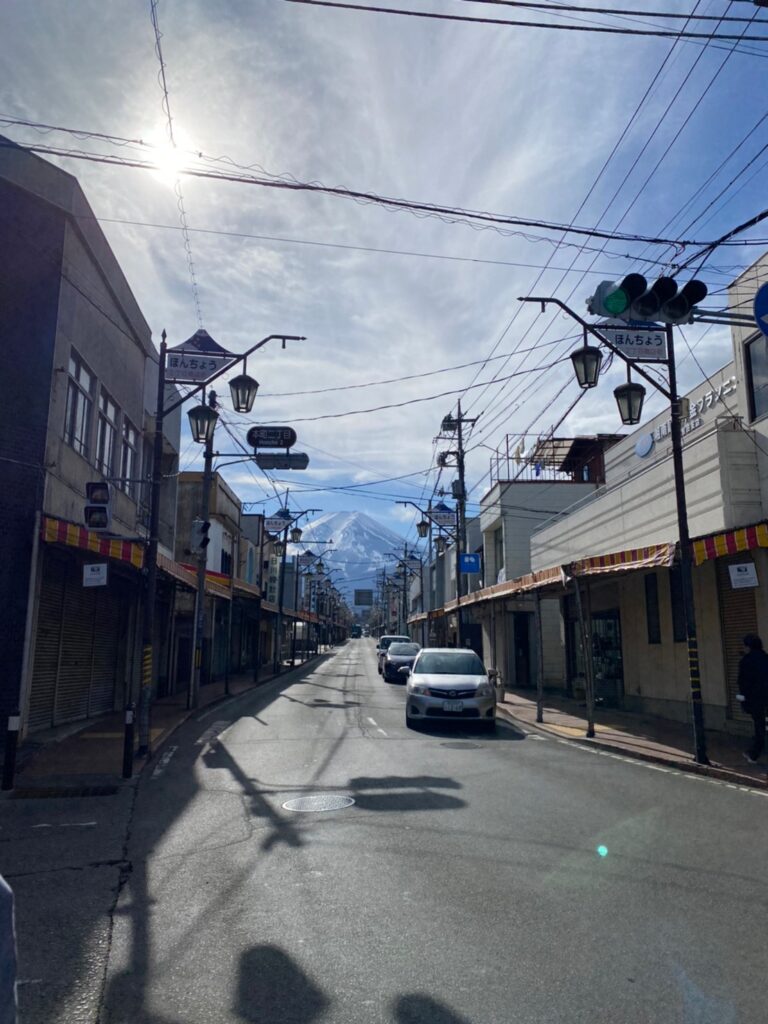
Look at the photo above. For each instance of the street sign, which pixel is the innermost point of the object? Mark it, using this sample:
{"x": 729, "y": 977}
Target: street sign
{"x": 276, "y": 524}
{"x": 193, "y": 367}
{"x": 469, "y": 562}
{"x": 643, "y": 342}
{"x": 95, "y": 574}
{"x": 271, "y": 437}
{"x": 363, "y": 597}
{"x": 306, "y": 559}
{"x": 761, "y": 308}
{"x": 292, "y": 460}
{"x": 441, "y": 515}
{"x": 743, "y": 575}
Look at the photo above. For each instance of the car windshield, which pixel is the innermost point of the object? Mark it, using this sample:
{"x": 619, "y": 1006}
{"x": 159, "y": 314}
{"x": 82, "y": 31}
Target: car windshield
{"x": 386, "y": 641}
{"x": 453, "y": 663}
{"x": 407, "y": 649}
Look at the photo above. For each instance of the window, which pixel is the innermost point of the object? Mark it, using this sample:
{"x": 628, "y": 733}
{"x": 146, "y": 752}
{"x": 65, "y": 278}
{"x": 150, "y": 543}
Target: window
{"x": 77, "y": 418}
{"x": 652, "y": 608}
{"x": 106, "y": 434}
{"x": 450, "y": 663}
{"x": 756, "y": 359}
{"x": 679, "y": 633}
{"x": 226, "y": 562}
{"x": 498, "y": 549}
{"x": 129, "y": 467}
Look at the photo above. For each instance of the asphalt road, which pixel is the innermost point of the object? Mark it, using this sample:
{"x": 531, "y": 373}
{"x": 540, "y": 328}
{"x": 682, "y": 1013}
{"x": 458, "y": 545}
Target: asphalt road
{"x": 474, "y": 880}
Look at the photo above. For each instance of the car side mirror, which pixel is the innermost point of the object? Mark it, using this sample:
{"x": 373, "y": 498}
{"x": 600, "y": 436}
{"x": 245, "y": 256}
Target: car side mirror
{"x": 404, "y": 671}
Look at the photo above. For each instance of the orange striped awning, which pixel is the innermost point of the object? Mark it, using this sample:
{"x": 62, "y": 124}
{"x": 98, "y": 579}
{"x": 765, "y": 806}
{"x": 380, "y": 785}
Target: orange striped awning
{"x": 632, "y": 558}
{"x": 59, "y": 531}
{"x": 731, "y": 542}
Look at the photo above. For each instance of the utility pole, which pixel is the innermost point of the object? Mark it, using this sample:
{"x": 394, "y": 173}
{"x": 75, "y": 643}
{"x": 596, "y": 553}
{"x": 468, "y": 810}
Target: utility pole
{"x": 449, "y": 425}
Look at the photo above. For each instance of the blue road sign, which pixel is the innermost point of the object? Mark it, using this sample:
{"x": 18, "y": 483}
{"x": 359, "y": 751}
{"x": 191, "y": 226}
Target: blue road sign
{"x": 469, "y": 563}
{"x": 761, "y": 308}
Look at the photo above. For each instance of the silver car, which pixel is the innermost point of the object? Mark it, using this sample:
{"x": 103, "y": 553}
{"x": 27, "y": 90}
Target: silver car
{"x": 450, "y": 684}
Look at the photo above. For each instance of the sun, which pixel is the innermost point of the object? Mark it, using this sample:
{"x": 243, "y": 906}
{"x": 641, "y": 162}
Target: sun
{"x": 169, "y": 161}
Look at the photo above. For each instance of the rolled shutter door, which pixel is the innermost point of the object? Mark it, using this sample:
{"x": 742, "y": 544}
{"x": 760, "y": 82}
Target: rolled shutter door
{"x": 74, "y": 682}
{"x": 42, "y": 695}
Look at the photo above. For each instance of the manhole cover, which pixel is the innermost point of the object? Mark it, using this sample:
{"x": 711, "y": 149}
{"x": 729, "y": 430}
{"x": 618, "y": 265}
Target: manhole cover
{"x": 321, "y": 802}
{"x": 462, "y": 746}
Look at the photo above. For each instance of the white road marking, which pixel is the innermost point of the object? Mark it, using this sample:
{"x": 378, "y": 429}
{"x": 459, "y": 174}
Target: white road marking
{"x": 669, "y": 771}
{"x": 164, "y": 761}
{"x": 381, "y": 731}
{"x": 371, "y": 721}
{"x": 67, "y": 824}
{"x": 29, "y": 981}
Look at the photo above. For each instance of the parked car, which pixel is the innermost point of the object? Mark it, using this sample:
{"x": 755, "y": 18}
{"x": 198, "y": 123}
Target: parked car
{"x": 398, "y": 656}
{"x": 450, "y": 684}
{"x": 383, "y": 644}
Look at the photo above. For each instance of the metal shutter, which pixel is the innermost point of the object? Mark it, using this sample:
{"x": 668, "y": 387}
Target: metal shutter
{"x": 738, "y": 616}
{"x": 76, "y": 650}
{"x": 106, "y": 649}
{"x": 47, "y": 639}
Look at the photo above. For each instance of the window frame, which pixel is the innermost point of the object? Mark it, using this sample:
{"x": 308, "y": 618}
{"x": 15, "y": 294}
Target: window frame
{"x": 103, "y": 420}
{"x": 129, "y": 465}
{"x": 752, "y": 410}
{"x": 79, "y": 401}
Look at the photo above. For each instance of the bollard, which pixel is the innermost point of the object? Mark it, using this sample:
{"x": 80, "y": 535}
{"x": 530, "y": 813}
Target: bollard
{"x": 130, "y": 714}
{"x": 11, "y": 742}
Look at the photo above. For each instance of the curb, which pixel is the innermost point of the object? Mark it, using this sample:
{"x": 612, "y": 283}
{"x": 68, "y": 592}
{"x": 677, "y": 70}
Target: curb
{"x": 111, "y": 785}
{"x": 691, "y": 767}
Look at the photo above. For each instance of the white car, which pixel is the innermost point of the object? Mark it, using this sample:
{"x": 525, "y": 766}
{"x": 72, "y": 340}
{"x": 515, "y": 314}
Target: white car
{"x": 449, "y": 684}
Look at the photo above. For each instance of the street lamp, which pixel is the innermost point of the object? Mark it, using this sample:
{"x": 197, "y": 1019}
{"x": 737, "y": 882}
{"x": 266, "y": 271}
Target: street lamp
{"x": 202, "y": 422}
{"x": 422, "y": 528}
{"x": 629, "y": 398}
{"x": 243, "y": 390}
{"x": 440, "y": 544}
{"x": 586, "y": 362}
{"x": 296, "y": 534}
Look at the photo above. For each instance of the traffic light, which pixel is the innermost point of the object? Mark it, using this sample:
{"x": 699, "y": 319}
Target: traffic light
{"x": 97, "y": 513}
{"x": 199, "y": 539}
{"x": 633, "y": 299}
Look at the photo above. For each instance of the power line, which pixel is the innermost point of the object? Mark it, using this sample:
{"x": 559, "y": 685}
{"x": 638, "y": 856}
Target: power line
{"x": 177, "y": 180}
{"x": 615, "y": 11}
{"x": 450, "y": 215}
{"x": 659, "y": 33}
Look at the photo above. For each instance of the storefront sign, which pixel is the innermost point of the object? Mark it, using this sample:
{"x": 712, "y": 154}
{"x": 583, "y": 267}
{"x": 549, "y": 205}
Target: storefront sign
{"x": 95, "y": 574}
{"x": 743, "y": 575}
{"x": 709, "y": 400}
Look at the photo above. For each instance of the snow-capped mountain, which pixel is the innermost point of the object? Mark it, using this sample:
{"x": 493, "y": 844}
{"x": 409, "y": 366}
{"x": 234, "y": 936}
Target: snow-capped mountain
{"x": 359, "y": 550}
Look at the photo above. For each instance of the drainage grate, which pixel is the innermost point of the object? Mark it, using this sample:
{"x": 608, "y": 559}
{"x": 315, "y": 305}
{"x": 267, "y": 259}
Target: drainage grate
{"x": 462, "y": 746}
{"x": 321, "y": 802}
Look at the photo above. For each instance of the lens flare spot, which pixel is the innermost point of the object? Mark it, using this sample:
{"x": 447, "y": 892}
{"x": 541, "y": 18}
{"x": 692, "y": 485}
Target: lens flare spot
{"x": 602, "y": 851}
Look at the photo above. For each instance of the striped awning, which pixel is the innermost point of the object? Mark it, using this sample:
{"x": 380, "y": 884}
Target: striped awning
{"x": 59, "y": 531}
{"x": 730, "y": 542}
{"x": 633, "y": 558}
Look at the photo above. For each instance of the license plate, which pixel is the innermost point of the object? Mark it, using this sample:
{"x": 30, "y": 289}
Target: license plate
{"x": 453, "y": 705}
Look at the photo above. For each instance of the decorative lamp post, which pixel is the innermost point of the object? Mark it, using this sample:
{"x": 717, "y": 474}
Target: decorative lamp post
{"x": 440, "y": 544}
{"x": 586, "y": 362}
{"x": 202, "y": 422}
{"x": 629, "y": 398}
{"x": 243, "y": 390}
{"x": 296, "y": 534}
{"x": 422, "y": 528}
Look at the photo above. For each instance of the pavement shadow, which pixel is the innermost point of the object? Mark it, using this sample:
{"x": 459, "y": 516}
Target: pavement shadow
{"x": 421, "y": 1009}
{"x": 405, "y": 793}
{"x": 273, "y": 989}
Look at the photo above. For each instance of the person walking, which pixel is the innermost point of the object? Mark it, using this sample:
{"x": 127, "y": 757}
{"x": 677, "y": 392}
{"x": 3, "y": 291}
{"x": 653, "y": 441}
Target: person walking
{"x": 753, "y": 690}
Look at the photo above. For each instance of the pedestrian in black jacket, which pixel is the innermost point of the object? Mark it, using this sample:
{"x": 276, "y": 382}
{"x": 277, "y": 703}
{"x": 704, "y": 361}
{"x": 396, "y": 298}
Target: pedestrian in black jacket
{"x": 753, "y": 690}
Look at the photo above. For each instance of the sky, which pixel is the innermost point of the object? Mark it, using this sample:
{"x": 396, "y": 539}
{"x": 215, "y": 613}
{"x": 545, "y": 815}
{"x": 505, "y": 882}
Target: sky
{"x": 659, "y": 137}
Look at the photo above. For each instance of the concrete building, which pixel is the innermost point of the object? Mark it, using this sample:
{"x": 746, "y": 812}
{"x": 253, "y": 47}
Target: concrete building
{"x": 80, "y": 374}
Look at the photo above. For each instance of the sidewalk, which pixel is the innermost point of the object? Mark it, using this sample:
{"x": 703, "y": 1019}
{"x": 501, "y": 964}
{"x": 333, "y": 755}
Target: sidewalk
{"x": 641, "y": 736}
{"x": 88, "y": 758}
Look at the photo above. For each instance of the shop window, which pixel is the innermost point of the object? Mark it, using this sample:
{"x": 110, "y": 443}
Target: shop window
{"x": 756, "y": 352}
{"x": 77, "y": 418}
{"x": 679, "y": 633}
{"x": 652, "y": 618}
{"x": 498, "y": 549}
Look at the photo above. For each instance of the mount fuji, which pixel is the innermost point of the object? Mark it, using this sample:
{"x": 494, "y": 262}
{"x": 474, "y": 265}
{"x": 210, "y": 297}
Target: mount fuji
{"x": 359, "y": 550}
